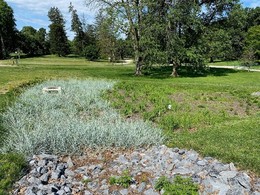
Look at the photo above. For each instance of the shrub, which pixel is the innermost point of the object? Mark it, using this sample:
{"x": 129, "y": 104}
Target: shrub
{"x": 179, "y": 186}
{"x": 65, "y": 123}
{"x": 125, "y": 180}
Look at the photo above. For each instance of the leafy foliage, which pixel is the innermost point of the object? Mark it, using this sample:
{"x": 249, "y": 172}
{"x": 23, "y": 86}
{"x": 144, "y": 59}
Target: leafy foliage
{"x": 179, "y": 186}
{"x": 33, "y": 42}
{"x": 7, "y": 29}
{"x": 125, "y": 180}
{"x": 253, "y": 42}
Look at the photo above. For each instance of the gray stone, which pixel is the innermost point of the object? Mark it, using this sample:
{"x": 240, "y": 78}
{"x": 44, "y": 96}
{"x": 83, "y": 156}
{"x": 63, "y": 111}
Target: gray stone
{"x": 61, "y": 192}
{"x": 122, "y": 159}
{"x": 61, "y": 167}
{"x": 55, "y": 174}
{"x": 225, "y": 175}
{"x": 244, "y": 180}
{"x": 123, "y": 192}
{"x": 44, "y": 170}
{"x": 87, "y": 193}
{"x": 141, "y": 187}
{"x": 35, "y": 173}
{"x": 212, "y": 187}
{"x": 150, "y": 192}
{"x": 42, "y": 163}
{"x": 220, "y": 167}
{"x": 104, "y": 187}
{"x": 69, "y": 162}
{"x": 105, "y": 192}
{"x": 104, "y": 182}
{"x": 32, "y": 162}
{"x": 183, "y": 171}
{"x": 54, "y": 188}
{"x": 256, "y": 193}
{"x": 31, "y": 190}
{"x": 181, "y": 152}
{"x": 92, "y": 185}
{"x": 34, "y": 181}
{"x": 45, "y": 177}
{"x": 38, "y": 169}
{"x": 202, "y": 162}
{"x": 232, "y": 167}
{"x": 192, "y": 156}
{"x": 40, "y": 192}
{"x": 236, "y": 191}
{"x": 67, "y": 189}
{"x": 69, "y": 173}
{"x": 116, "y": 193}
{"x": 97, "y": 169}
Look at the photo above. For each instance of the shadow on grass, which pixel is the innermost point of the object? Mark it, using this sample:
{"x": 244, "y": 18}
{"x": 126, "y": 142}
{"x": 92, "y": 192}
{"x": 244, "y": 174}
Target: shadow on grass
{"x": 164, "y": 72}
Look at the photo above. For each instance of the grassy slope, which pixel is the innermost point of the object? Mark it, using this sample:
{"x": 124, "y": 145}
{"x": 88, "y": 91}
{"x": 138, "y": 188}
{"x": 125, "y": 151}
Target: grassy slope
{"x": 225, "y": 134}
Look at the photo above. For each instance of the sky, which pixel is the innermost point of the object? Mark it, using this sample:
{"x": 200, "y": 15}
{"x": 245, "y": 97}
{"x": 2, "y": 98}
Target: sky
{"x": 34, "y": 12}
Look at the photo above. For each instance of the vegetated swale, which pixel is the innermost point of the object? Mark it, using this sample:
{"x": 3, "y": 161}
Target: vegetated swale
{"x": 67, "y": 122}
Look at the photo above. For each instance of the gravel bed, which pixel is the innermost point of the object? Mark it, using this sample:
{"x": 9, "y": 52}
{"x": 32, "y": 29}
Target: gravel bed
{"x": 90, "y": 173}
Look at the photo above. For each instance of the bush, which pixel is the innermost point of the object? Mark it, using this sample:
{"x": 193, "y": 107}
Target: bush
{"x": 125, "y": 180}
{"x": 179, "y": 186}
{"x": 11, "y": 166}
{"x": 66, "y": 123}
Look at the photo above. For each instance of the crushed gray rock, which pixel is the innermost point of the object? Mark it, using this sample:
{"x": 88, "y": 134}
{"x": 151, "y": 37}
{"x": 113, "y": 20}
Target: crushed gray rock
{"x": 87, "y": 174}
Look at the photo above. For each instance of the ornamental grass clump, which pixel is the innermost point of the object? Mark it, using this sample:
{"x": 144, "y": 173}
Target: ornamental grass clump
{"x": 66, "y": 122}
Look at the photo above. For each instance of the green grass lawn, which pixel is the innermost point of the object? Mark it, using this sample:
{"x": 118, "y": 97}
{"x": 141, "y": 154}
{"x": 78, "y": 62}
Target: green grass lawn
{"x": 213, "y": 113}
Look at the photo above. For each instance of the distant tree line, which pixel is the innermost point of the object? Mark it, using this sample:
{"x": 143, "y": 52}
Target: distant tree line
{"x": 150, "y": 31}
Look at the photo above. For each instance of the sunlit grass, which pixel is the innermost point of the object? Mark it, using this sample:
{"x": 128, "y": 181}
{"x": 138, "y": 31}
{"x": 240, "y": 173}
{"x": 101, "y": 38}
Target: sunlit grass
{"x": 207, "y": 111}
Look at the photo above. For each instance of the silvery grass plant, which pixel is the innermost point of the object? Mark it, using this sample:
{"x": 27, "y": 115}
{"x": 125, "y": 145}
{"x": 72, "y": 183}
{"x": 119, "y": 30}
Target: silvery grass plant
{"x": 67, "y": 122}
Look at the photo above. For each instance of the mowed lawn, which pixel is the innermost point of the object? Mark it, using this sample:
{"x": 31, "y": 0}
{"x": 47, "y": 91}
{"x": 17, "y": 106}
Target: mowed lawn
{"x": 214, "y": 114}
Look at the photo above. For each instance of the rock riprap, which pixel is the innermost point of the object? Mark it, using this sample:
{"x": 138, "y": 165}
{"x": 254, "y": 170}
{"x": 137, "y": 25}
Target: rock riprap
{"x": 90, "y": 173}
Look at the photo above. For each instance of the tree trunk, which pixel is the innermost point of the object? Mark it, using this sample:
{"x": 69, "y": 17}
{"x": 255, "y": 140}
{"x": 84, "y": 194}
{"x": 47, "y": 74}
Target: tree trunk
{"x": 3, "y": 55}
{"x": 138, "y": 68}
{"x": 174, "y": 70}
{"x": 211, "y": 60}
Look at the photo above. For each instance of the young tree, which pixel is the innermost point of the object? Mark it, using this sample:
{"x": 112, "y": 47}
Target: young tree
{"x": 91, "y": 50}
{"x": 7, "y": 29}
{"x": 57, "y": 35}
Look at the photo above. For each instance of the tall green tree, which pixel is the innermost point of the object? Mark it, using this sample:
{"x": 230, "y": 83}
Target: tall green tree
{"x": 80, "y": 39}
{"x": 163, "y": 30}
{"x": 33, "y": 42}
{"x": 253, "y": 41}
{"x": 129, "y": 13}
{"x": 217, "y": 43}
{"x": 107, "y": 33}
{"x": 7, "y": 29}
{"x": 57, "y": 36}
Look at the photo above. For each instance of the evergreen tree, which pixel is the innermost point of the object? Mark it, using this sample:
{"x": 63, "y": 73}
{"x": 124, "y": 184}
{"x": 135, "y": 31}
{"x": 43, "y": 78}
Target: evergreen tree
{"x": 7, "y": 29}
{"x": 57, "y": 36}
{"x": 80, "y": 39}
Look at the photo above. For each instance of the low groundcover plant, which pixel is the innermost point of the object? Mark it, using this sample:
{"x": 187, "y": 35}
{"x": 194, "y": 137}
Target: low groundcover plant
{"x": 66, "y": 122}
